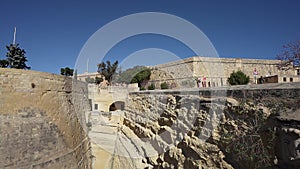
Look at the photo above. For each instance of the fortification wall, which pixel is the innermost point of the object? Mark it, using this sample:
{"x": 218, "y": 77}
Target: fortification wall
{"x": 41, "y": 121}
{"x": 217, "y": 70}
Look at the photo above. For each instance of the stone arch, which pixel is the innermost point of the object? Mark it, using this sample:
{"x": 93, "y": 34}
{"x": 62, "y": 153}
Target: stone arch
{"x": 117, "y": 105}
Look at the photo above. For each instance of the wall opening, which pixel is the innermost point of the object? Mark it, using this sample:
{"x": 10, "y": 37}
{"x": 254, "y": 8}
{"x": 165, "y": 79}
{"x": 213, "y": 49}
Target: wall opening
{"x": 96, "y": 107}
{"x": 221, "y": 82}
{"x": 118, "y": 105}
{"x": 90, "y": 104}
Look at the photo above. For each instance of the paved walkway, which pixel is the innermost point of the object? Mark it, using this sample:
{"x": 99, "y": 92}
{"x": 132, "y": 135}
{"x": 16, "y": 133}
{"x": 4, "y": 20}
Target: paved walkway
{"x": 111, "y": 148}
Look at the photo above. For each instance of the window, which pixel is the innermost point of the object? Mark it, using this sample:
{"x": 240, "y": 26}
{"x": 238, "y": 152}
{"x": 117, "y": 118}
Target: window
{"x": 291, "y": 79}
{"x": 96, "y": 106}
{"x": 284, "y": 79}
{"x": 298, "y": 72}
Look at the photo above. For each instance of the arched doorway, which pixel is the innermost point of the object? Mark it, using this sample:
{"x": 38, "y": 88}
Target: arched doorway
{"x": 118, "y": 105}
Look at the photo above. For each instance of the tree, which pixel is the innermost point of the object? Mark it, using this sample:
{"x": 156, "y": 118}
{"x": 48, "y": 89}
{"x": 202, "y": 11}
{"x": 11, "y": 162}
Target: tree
{"x": 127, "y": 75}
{"x": 98, "y": 80}
{"x": 142, "y": 77}
{"x": 66, "y": 71}
{"x": 16, "y": 57}
{"x": 290, "y": 55}
{"x": 238, "y": 78}
{"x": 4, "y": 63}
{"x": 107, "y": 70}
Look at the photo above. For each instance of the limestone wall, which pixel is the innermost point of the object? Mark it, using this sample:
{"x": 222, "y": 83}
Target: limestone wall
{"x": 103, "y": 97}
{"x": 220, "y": 128}
{"x": 181, "y": 72}
{"x": 41, "y": 124}
{"x": 217, "y": 70}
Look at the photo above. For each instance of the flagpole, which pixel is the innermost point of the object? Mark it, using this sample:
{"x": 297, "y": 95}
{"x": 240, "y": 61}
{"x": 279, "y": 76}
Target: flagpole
{"x": 87, "y": 65}
{"x": 15, "y": 32}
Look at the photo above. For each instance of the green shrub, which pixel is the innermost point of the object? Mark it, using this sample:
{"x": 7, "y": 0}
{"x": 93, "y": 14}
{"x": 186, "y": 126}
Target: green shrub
{"x": 164, "y": 85}
{"x": 151, "y": 87}
{"x": 98, "y": 80}
{"x": 238, "y": 78}
{"x": 90, "y": 80}
{"x": 89, "y": 124}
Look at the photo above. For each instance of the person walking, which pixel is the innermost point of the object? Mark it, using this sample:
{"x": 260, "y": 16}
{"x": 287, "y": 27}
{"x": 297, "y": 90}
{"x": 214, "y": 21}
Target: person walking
{"x": 199, "y": 83}
{"x": 204, "y": 81}
{"x": 255, "y": 74}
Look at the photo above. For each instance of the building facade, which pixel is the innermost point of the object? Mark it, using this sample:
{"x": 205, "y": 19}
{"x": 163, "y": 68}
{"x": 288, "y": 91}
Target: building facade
{"x": 215, "y": 71}
{"x": 85, "y": 76}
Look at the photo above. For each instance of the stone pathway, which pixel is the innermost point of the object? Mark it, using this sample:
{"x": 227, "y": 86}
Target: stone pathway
{"x": 111, "y": 148}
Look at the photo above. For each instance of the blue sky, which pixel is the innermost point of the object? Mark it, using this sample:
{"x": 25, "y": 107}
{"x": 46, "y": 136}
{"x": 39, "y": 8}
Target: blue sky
{"x": 53, "y": 32}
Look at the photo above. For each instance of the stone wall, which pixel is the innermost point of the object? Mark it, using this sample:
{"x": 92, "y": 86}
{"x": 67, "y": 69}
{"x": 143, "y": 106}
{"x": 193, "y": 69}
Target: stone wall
{"x": 217, "y": 70}
{"x": 237, "y": 127}
{"x": 103, "y": 97}
{"x": 41, "y": 121}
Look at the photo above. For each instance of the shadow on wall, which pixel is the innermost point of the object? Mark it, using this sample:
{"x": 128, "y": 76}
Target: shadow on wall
{"x": 118, "y": 105}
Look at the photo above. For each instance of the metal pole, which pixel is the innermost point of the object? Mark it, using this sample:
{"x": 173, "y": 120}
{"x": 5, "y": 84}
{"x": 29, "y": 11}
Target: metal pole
{"x": 87, "y": 65}
{"x": 15, "y": 32}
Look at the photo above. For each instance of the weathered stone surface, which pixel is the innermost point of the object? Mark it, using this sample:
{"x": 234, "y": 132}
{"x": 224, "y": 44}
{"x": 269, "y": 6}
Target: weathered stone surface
{"x": 221, "y": 128}
{"x": 288, "y": 143}
{"x": 182, "y": 73}
{"x": 41, "y": 121}
{"x": 173, "y": 126}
